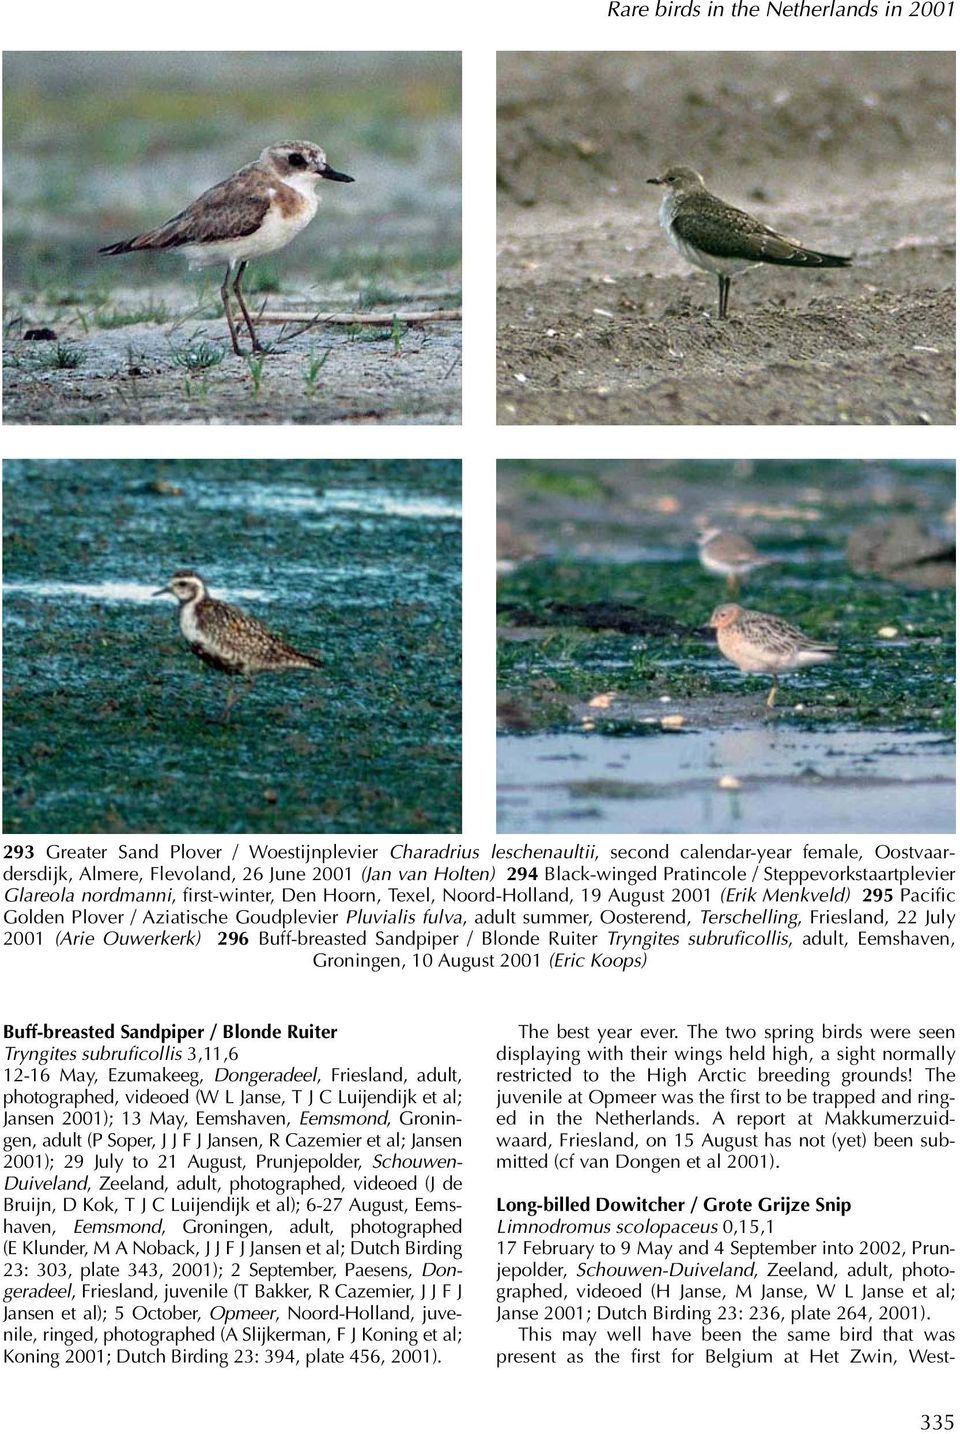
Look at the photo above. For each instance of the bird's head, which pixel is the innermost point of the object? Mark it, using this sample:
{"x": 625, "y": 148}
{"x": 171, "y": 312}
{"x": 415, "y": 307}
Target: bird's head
{"x": 707, "y": 535}
{"x": 185, "y": 586}
{"x": 725, "y": 614}
{"x": 680, "y": 179}
{"x": 299, "y": 159}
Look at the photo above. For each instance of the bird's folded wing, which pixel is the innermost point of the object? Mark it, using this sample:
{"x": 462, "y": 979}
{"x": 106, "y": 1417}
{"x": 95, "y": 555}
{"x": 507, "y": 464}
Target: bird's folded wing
{"x": 253, "y": 635}
{"x": 729, "y": 233}
{"x": 776, "y": 636}
{"x": 229, "y": 210}
{"x": 736, "y": 549}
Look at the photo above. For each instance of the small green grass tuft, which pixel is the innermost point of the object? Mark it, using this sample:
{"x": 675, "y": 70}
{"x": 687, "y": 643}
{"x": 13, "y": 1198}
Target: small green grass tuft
{"x": 315, "y": 364}
{"x": 198, "y": 354}
{"x": 196, "y": 388}
{"x": 67, "y": 356}
{"x": 366, "y": 335}
{"x": 255, "y": 364}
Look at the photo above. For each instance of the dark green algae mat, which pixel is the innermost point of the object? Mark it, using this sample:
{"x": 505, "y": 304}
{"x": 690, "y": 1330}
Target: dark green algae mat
{"x": 561, "y": 643}
{"x": 109, "y": 721}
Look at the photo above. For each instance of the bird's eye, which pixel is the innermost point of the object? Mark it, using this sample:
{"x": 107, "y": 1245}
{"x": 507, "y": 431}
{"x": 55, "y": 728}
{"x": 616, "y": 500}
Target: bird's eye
{"x": 298, "y": 161}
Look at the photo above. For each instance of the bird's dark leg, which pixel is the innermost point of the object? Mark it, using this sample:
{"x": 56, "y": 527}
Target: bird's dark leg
{"x": 257, "y": 346}
{"x": 233, "y": 696}
{"x": 225, "y": 296}
{"x": 724, "y": 282}
{"x": 772, "y": 694}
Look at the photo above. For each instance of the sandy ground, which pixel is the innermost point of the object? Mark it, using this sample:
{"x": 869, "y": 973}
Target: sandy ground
{"x": 136, "y": 374}
{"x": 600, "y": 321}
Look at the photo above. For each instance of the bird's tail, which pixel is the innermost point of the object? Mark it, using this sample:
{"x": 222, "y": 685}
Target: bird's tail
{"x": 124, "y": 247}
{"x": 827, "y": 261}
{"x": 152, "y": 239}
{"x": 811, "y": 259}
{"x": 307, "y": 659}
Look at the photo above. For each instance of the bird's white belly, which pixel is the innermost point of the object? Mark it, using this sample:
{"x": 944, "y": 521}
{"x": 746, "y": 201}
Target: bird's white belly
{"x": 274, "y": 233}
{"x": 713, "y": 265}
{"x": 755, "y": 661}
{"x": 758, "y": 659}
{"x": 724, "y": 566}
{"x": 697, "y": 257}
{"x": 809, "y": 659}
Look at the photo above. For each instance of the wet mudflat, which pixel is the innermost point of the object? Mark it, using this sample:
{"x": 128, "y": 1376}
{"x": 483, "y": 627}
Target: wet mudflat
{"x": 110, "y": 722}
{"x": 618, "y": 713}
{"x": 601, "y": 322}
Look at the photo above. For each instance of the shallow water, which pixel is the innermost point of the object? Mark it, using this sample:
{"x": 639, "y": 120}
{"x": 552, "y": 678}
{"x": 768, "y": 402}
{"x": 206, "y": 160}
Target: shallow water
{"x": 787, "y": 781}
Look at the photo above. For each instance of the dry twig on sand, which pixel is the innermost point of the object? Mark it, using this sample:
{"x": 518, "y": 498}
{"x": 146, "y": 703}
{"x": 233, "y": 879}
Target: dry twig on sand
{"x": 379, "y": 321}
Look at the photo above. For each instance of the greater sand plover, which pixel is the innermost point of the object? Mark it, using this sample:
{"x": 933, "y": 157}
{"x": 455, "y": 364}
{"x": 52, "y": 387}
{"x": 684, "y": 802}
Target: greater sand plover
{"x": 225, "y": 637}
{"x": 254, "y": 212}
{"x": 725, "y": 241}
{"x": 759, "y": 642}
{"x": 729, "y": 555}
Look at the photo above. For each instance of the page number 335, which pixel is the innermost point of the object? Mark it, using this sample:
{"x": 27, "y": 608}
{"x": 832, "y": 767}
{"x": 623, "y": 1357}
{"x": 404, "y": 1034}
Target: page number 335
{"x": 936, "y": 1421}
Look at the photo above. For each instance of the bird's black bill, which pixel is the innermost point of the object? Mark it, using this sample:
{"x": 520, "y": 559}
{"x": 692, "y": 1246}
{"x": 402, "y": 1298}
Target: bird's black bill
{"x": 159, "y": 592}
{"x": 329, "y": 173}
{"x": 654, "y": 181}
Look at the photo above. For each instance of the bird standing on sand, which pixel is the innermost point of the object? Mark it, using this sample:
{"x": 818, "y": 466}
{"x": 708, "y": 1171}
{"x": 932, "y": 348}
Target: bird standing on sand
{"x": 730, "y": 555}
{"x": 254, "y": 212}
{"x": 725, "y": 241}
{"x": 759, "y": 642}
{"x": 225, "y": 637}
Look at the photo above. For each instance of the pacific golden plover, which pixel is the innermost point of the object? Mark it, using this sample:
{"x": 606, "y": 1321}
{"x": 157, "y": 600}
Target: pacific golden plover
{"x": 759, "y": 642}
{"x": 725, "y": 241}
{"x": 729, "y": 555}
{"x": 256, "y": 211}
{"x": 225, "y": 637}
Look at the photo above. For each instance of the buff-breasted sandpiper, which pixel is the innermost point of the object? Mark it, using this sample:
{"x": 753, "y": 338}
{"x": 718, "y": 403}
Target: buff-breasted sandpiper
{"x": 760, "y": 642}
